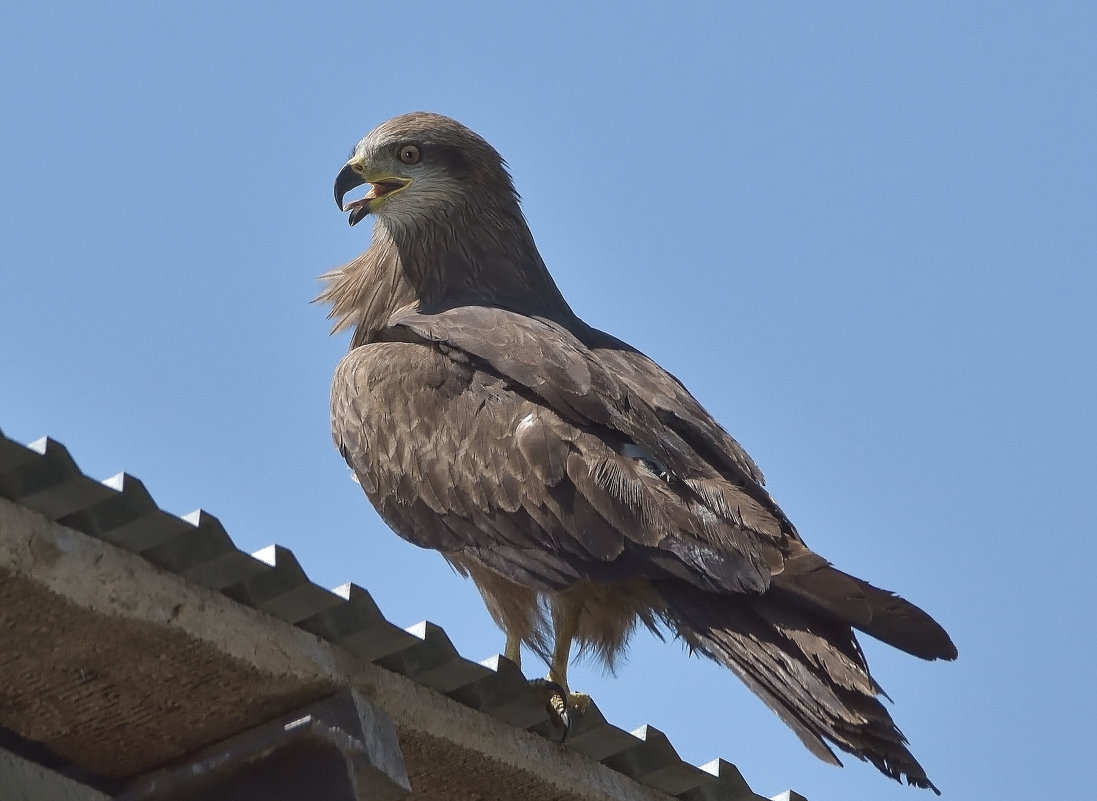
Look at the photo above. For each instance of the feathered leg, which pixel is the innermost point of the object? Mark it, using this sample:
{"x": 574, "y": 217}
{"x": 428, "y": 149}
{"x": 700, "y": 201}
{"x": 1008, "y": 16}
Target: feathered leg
{"x": 565, "y": 622}
{"x": 565, "y": 626}
{"x": 513, "y": 649}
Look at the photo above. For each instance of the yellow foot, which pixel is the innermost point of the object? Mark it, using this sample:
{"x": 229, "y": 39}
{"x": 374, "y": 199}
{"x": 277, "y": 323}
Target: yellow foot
{"x": 559, "y": 704}
{"x": 580, "y": 702}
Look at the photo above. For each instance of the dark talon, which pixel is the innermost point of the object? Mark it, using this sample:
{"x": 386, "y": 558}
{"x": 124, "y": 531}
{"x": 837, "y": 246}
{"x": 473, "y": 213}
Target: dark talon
{"x": 556, "y": 704}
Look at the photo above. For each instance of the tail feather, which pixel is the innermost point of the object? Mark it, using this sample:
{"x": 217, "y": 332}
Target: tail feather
{"x": 807, "y": 668}
{"x": 814, "y": 582}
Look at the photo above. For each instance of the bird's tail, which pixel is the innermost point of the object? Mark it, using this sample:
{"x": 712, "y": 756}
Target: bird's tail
{"x": 813, "y": 582}
{"x": 807, "y": 667}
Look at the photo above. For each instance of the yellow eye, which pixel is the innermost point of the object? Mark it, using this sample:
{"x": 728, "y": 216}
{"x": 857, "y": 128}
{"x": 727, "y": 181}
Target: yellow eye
{"x": 409, "y": 154}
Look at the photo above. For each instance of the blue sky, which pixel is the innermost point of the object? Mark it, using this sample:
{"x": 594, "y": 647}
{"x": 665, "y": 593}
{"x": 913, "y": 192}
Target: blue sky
{"x": 863, "y": 234}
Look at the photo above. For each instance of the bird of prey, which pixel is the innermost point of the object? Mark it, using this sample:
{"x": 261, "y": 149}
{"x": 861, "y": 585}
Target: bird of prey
{"x": 579, "y": 484}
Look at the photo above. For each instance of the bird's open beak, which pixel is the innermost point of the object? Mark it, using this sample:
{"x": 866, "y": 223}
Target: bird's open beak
{"x": 353, "y": 175}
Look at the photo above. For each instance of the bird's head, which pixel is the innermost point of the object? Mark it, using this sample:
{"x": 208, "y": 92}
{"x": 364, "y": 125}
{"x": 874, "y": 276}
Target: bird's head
{"x": 421, "y": 165}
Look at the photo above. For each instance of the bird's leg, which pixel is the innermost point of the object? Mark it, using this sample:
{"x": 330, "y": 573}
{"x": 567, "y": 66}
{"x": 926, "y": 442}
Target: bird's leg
{"x": 565, "y": 620}
{"x": 513, "y": 649}
{"x": 554, "y": 689}
{"x": 565, "y": 623}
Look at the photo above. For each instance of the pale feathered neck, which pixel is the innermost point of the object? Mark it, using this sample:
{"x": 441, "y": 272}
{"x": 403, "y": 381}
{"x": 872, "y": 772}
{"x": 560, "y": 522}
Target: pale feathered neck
{"x": 440, "y": 264}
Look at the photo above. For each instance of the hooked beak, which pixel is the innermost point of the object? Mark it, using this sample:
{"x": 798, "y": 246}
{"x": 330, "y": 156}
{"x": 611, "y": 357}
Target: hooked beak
{"x": 350, "y": 178}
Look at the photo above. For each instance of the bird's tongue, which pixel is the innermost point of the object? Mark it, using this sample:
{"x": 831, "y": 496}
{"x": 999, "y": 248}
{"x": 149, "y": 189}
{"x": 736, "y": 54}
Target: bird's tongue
{"x": 376, "y": 190}
{"x": 383, "y": 188}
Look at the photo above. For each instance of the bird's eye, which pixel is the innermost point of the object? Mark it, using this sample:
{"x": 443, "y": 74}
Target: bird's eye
{"x": 410, "y": 154}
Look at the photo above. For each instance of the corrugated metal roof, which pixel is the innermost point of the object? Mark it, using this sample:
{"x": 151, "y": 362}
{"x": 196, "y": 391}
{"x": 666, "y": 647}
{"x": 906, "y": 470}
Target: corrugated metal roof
{"x": 44, "y": 477}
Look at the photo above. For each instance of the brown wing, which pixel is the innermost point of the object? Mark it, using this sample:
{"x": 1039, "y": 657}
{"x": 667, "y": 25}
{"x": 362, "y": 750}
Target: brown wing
{"x": 519, "y": 449}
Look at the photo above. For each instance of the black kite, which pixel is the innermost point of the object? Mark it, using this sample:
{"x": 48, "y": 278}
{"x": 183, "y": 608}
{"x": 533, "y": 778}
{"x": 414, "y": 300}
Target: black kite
{"x": 576, "y": 482}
